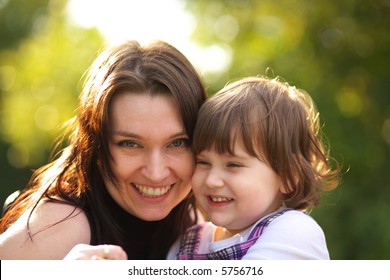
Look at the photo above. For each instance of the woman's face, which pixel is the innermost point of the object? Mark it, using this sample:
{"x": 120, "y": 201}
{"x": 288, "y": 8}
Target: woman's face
{"x": 151, "y": 157}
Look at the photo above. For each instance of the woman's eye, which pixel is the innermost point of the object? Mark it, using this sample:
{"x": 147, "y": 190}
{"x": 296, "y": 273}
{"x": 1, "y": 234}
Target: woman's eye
{"x": 129, "y": 144}
{"x": 180, "y": 143}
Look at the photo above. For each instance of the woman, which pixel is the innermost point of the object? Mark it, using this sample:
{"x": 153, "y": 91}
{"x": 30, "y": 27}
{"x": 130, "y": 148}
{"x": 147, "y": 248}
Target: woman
{"x": 124, "y": 178}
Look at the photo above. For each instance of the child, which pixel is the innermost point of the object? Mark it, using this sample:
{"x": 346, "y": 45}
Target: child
{"x": 260, "y": 165}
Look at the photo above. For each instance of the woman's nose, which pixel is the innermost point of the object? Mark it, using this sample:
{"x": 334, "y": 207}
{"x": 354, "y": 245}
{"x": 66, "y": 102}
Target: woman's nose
{"x": 156, "y": 167}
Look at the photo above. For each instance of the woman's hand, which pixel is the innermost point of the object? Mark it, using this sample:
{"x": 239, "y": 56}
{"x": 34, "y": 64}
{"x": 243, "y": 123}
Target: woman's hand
{"x": 96, "y": 252}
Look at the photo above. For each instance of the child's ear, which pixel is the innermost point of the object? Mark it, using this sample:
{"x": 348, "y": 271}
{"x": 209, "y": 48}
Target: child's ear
{"x": 285, "y": 189}
{"x": 288, "y": 187}
{"x": 288, "y": 182}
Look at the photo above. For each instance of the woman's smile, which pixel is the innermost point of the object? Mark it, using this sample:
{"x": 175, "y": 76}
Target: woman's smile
{"x": 152, "y": 192}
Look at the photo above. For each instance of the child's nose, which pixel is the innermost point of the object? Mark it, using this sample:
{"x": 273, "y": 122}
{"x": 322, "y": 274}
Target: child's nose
{"x": 214, "y": 179}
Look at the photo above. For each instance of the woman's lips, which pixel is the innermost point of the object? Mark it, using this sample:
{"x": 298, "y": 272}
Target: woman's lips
{"x": 152, "y": 192}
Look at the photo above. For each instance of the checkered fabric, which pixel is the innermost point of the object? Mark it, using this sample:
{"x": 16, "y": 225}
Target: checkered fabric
{"x": 190, "y": 243}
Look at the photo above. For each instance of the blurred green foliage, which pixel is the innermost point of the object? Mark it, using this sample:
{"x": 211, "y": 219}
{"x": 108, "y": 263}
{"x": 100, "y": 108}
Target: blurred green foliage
{"x": 42, "y": 59}
{"x": 18, "y": 19}
{"x": 338, "y": 51}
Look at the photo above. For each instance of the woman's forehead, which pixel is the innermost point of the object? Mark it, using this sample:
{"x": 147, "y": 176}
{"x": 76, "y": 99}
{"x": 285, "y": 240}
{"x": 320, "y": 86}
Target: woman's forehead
{"x": 144, "y": 114}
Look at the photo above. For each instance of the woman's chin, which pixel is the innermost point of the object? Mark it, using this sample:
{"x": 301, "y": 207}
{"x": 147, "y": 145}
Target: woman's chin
{"x": 153, "y": 216}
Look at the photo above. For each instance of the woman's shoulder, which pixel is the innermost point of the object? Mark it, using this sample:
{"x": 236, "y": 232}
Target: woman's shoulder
{"x": 53, "y": 211}
{"x": 48, "y": 232}
{"x": 60, "y": 217}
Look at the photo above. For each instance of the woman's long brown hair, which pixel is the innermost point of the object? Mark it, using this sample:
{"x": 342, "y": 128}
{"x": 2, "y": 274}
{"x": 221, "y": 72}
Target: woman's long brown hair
{"x": 77, "y": 176}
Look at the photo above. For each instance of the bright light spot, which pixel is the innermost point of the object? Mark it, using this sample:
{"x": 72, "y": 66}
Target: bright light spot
{"x": 18, "y": 155}
{"x": 7, "y": 77}
{"x": 3, "y": 3}
{"x": 332, "y": 38}
{"x": 46, "y": 117}
{"x": 349, "y": 102}
{"x": 292, "y": 92}
{"x": 140, "y": 20}
{"x": 144, "y": 21}
{"x": 386, "y": 131}
{"x": 43, "y": 88}
{"x": 226, "y": 27}
{"x": 269, "y": 26}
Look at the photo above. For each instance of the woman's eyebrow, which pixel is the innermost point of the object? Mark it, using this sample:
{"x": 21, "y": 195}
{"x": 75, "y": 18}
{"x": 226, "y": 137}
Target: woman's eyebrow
{"x": 136, "y": 136}
{"x": 179, "y": 134}
{"x": 125, "y": 134}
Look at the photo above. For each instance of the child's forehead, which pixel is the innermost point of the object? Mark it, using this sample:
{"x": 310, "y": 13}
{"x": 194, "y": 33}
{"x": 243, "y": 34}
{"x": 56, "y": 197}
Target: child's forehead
{"x": 238, "y": 147}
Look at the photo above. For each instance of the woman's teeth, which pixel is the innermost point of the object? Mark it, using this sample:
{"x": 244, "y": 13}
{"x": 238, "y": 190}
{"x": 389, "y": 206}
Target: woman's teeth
{"x": 152, "y": 192}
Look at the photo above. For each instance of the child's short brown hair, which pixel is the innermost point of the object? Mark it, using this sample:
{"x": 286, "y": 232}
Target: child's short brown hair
{"x": 276, "y": 123}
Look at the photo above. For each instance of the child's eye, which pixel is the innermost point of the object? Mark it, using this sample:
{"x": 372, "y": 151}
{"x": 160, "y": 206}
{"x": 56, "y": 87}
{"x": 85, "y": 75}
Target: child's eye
{"x": 180, "y": 143}
{"x": 234, "y": 164}
{"x": 202, "y": 162}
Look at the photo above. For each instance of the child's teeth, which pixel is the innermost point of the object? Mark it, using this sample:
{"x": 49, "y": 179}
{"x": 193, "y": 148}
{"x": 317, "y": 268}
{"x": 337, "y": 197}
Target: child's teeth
{"x": 220, "y": 199}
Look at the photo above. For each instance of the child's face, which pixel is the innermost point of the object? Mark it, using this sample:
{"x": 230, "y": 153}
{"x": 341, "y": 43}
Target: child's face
{"x": 235, "y": 190}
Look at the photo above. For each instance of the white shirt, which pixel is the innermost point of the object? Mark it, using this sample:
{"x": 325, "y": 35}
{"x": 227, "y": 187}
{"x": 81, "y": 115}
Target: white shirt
{"x": 291, "y": 236}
